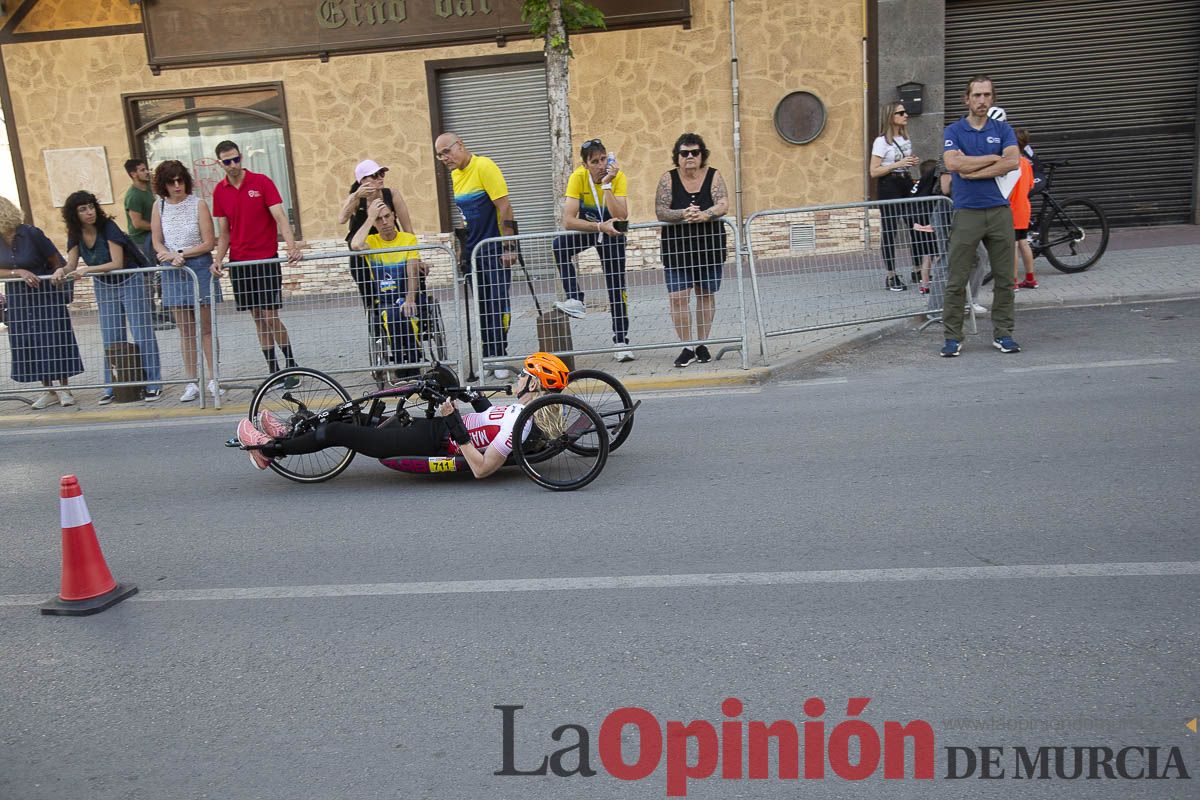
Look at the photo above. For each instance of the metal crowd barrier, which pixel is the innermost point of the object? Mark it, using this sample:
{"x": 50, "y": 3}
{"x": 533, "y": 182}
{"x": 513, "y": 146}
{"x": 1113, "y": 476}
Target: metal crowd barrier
{"x": 824, "y": 267}
{"x": 510, "y": 299}
{"x": 350, "y": 326}
{"x": 71, "y": 331}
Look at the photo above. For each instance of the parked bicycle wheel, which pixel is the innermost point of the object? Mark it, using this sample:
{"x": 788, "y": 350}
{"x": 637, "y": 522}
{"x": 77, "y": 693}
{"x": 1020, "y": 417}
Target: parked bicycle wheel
{"x": 433, "y": 334}
{"x": 295, "y": 397}
{"x": 568, "y": 447}
{"x": 609, "y": 397}
{"x": 1074, "y": 235}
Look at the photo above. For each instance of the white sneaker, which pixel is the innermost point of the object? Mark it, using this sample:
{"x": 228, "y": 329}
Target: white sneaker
{"x": 502, "y": 374}
{"x": 190, "y": 393}
{"x": 572, "y": 308}
{"x": 214, "y": 390}
{"x": 978, "y": 308}
{"x": 623, "y": 356}
{"x": 65, "y": 399}
{"x": 44, "y": 400}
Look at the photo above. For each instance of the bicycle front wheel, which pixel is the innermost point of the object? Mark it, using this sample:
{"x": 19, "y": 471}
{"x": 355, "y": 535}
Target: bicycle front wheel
{"x": 1074, "y": 235}
{"x": 294, "y": 397}
{"x": 551, "y": 456}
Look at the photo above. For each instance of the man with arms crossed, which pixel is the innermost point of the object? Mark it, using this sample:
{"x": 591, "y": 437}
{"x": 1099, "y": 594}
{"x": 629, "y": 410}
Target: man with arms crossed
{"x": 978, "y": 150}
{"x": 247, "y": 208}
{"x": 481, "y": 195}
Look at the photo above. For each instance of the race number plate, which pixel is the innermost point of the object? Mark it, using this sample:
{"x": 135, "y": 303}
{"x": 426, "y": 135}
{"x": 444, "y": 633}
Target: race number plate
{"x": 442, "y": 465}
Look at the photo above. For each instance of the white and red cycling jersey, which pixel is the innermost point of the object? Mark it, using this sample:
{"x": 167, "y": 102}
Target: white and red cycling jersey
{"x": 493, "y": 427}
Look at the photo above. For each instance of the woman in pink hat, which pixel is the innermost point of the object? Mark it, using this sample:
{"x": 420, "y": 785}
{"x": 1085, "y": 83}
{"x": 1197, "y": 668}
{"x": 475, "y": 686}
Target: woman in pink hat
{"x": 368, "y": 187}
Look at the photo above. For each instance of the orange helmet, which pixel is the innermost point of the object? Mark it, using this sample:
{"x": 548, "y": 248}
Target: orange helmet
{"x": 549, "y": 369}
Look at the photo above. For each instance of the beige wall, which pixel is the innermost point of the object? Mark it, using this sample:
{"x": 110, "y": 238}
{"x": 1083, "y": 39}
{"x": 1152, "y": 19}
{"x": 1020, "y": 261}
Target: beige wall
{"x": 628, "y": 87}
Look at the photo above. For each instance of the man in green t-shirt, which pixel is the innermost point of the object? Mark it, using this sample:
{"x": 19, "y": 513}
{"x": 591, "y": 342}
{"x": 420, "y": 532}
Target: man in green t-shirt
{"x": 139, "y": 205}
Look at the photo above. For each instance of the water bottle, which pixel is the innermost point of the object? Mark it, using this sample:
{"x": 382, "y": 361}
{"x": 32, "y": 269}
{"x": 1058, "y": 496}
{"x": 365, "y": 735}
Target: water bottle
{"x": 612, "y": 160}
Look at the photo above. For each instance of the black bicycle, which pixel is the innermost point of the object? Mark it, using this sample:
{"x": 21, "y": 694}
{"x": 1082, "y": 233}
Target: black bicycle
{"x": 1073, "y": 234}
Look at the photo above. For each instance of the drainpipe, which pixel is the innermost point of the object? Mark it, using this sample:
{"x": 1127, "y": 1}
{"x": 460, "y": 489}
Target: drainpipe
{"x": 737, "y": 119}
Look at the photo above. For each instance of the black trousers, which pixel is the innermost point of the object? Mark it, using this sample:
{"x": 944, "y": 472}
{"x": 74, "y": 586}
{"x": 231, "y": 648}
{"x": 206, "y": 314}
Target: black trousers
{"x": 893, "y": 217}
{"x": 424, "y": 437}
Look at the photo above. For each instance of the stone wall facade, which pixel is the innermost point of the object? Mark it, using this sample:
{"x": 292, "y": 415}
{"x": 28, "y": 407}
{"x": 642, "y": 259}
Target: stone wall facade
{"x": 636, "y": 88}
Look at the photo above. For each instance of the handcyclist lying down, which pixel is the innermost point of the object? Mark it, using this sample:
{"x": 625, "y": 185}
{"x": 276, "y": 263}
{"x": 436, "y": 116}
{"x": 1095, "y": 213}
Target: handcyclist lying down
{"x": 484, "y": 437}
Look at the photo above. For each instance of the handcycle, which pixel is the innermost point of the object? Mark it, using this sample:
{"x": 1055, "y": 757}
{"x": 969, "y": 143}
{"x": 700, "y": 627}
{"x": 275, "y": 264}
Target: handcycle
{"x": 1073, "y": 234}
{"x": 571, "y": 431}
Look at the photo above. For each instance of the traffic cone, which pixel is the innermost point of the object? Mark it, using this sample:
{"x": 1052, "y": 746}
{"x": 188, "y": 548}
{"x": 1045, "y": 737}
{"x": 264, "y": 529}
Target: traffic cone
{"x": 87, "y": 585}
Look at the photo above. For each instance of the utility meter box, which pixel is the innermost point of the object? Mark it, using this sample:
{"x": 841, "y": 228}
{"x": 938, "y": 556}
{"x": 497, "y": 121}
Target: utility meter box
{"x": 910, "y": 95}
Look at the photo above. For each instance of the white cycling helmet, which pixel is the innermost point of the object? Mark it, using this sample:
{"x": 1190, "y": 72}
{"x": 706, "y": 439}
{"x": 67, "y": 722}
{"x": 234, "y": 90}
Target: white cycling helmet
{"x": 997, "y": 113}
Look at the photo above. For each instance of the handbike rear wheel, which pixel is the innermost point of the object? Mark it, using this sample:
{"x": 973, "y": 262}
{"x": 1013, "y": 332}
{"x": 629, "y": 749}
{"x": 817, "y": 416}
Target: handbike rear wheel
{"x": 1073, "y": 236}
{"x": 549, "y": 456}
{"x": 295, "y": 396}
{"x": 609, "y": 397}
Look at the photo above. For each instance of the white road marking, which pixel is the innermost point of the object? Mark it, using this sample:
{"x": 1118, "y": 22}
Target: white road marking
{"x": 716, "y": 390}
{"x": 815, "y": 382}
{"x": 1136, "y": 362}
{"x": 732, "y": 579}
{"x": 141, "y": 424}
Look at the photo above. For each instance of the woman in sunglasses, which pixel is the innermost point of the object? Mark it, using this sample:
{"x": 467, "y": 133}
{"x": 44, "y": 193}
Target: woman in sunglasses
{"x": 693, "y": 251}
{"x": 483, "y": 437}
{"x": 366, "y": 189}
{"x": 184, "y": 237}
{"x": 891, "y": 159}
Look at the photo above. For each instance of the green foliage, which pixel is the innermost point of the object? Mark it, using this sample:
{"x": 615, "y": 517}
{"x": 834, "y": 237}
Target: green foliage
{"x": 577, "y": 15}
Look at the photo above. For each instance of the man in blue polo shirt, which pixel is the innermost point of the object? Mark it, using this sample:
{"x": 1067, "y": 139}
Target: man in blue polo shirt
{"x": 979, "y": 150}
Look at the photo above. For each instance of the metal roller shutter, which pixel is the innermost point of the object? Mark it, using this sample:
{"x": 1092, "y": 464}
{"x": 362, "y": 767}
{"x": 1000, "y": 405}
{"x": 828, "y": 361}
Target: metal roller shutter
{"x": 502, "y": 113}
{"x": 1109, "y": 84}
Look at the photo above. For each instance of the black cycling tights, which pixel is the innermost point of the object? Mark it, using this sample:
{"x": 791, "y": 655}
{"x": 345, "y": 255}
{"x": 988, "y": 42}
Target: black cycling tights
{"x": 425, "y": 437}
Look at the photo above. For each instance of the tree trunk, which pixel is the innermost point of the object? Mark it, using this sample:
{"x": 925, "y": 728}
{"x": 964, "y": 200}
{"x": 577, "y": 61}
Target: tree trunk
{"x": 558, "y": 89}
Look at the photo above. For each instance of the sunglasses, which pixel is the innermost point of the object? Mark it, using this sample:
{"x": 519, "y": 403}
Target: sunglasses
{"x": 231, "y": 161}
{"x": 689, "y": 153}
{"x": 174, "y": 181}
{"x": 592, "y": 143}
{"x": 902, "y": 111}
{"x": 376, "y": 175}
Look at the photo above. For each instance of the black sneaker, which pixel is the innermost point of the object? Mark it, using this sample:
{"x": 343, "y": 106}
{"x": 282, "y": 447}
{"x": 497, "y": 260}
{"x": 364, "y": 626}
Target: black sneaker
{"x": 894, "y": 284}
{"x": 702, "y": 354}
{"x": 686, "y": 357}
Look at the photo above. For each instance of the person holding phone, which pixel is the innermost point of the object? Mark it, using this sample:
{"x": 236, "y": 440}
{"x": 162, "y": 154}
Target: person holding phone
{"x": 596, "y": 205}
{"x": 891, "y": 159}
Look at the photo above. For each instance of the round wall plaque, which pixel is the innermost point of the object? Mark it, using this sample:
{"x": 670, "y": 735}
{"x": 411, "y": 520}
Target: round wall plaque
{"x": 800, "y": 117}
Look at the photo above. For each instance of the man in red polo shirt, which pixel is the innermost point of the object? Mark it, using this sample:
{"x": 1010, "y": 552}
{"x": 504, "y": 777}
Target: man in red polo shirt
{"x": 248, "y": 209}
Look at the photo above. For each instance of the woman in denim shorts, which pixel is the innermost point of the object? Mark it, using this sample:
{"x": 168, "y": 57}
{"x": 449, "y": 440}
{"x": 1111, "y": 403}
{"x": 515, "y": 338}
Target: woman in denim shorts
{"x": 184, "y": 237}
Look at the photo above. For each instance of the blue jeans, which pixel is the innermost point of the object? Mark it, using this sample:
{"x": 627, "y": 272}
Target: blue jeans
{"x": 129, "y": 302}
{"x": 494, "y": 281}
{"x": 612, "y": 257}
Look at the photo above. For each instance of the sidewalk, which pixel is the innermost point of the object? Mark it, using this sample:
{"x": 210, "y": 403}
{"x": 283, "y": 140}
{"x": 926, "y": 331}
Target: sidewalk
{"x": 1140, "y": 264}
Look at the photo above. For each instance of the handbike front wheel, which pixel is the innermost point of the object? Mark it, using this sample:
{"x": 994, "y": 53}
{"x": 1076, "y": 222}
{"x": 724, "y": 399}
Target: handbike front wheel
{"x": 1074, "y": 236}
{"x": 549, "y": 455}
{"x": 609, "y": 397}
{"x": 294, "y": 397}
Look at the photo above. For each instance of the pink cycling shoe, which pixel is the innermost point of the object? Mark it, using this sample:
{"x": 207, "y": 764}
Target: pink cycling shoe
{"x": 271, "y": 425}
{"x": 249, "y": 436}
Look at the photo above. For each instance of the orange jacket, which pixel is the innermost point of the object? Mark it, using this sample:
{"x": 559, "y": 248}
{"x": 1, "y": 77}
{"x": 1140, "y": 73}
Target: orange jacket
{"x": 1019, "y": 199}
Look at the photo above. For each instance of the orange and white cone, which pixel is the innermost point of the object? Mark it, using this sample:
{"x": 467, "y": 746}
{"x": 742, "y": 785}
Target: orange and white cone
{"x": 87, "y": 585}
